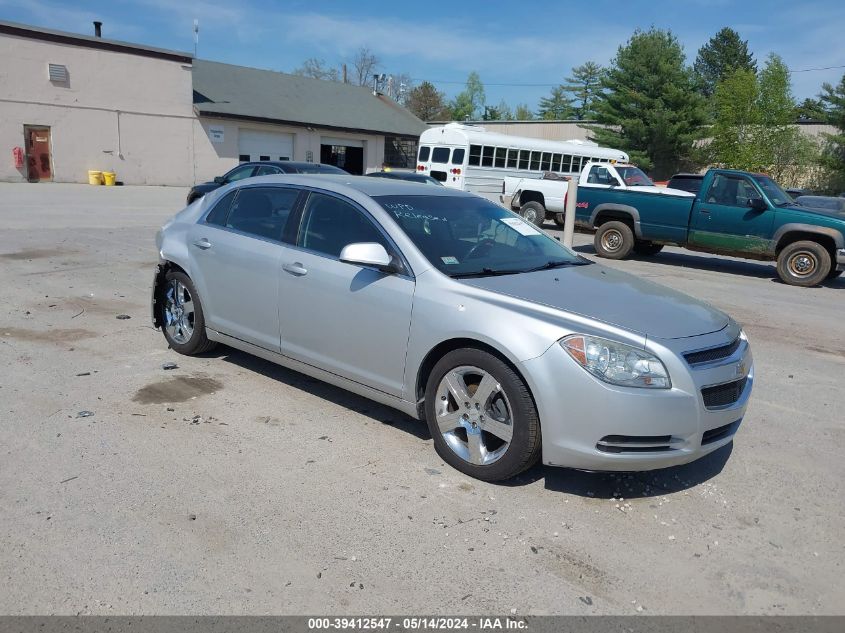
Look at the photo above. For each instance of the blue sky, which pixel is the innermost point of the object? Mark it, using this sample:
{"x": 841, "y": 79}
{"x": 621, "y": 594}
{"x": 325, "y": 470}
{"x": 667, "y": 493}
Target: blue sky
{"x": 534, "y": 44}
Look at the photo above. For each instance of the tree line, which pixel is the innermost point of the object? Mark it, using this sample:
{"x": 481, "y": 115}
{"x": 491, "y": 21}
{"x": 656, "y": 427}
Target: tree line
{"x": 669, "y": 116}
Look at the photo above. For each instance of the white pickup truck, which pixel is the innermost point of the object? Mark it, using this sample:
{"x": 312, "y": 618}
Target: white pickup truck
{"x": 535, "y": 199}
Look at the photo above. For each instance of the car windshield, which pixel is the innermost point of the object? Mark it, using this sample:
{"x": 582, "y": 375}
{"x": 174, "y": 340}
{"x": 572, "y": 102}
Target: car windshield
{"x": 468, "y": 236}
{"x": 634, "y": 177}
{"x": 777, "y": 195}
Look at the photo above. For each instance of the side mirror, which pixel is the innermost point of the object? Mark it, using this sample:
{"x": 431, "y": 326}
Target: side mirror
{"x": 220, "y": 180}
{"x": 367, "y": 254}
{"x": 757, "y": 204}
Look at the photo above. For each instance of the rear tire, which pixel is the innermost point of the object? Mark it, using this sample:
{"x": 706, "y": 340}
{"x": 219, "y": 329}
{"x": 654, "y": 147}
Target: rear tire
{"x": 647, "y": 249}
{"x": 804, "y": 263}
{"x": 560, "y": 219}
{"x": 533, "y": 212}
{"x": 614, "y": 240}
{"x": 180, "y": 311}
{"x": 492, "y": 438}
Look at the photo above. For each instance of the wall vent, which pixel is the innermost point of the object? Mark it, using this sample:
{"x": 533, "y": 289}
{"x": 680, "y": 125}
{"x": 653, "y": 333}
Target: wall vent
{"x": 57, "y": 72}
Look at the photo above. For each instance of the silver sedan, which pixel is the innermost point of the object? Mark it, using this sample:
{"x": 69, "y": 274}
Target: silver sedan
{"x": 453, "y": 310}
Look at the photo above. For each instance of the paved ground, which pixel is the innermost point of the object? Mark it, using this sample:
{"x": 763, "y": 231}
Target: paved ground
{"x": 291, "y": 496}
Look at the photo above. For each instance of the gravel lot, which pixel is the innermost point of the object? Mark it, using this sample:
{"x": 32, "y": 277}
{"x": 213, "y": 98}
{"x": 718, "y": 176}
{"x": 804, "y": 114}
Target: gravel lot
{"x": 290, "y": 496}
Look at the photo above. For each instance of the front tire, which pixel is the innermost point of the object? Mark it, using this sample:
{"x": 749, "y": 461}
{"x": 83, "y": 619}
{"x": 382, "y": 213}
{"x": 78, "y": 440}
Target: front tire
{"x": 804, "y": 263}
{"x": 533, "y": 212}
{"x": 614, "y": 240}
{"x": 481, "y": 416}
{"x": 183, "y": 323}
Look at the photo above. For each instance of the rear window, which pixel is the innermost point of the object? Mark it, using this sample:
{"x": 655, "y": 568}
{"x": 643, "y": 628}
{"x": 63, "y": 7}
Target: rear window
{"x": 686, "y": 183}
{"x": 458, "y": 156}
{"x": 424, "y": 154}
{"x": 440, "y": 155}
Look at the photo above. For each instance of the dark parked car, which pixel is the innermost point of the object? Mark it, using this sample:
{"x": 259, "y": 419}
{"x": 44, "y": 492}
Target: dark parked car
{"x": 406, "y": 175}
{"x": 686, "y": 182}
{"x": 261, "y": 168}
{"x": 829, "y": 203}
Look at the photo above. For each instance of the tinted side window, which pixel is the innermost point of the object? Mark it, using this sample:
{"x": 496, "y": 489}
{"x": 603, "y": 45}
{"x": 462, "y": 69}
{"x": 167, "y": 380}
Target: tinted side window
{"x": 512, "y": 156}
{"x": 501, "y": 153}
{"x": 221, "y": 210}
{"x": 262, "y": 211}
{"x": 458, "y": 156}
{"x": 440, "y": 155}
{"x": 267, "y": 170}
{"x": 239, "y": 173}
{"x": 523, "y": 158}
{"x": 730, "y": 191}
{"x": 330, "y": 224}
{"x": 424, "y": 153}
{"x": 487, "y": 157}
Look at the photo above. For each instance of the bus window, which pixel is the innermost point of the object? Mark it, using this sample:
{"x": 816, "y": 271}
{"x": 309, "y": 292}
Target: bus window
{"x": 458, "y": 156}
{"x": 545, "y": 163}
{"x": 440, "y": 155}
{"x": 474, "y": 155}
{"x": 555, "y": 162}
{"x": 566, "y": 165}
{"x": 523, "y": 158}
{"x": 487, "y": 156}
{"x": 512, "y": 156}
{"x": 535, "y": 161}
{"x": 501, "y": 152}
{"x": 424, "y": 152}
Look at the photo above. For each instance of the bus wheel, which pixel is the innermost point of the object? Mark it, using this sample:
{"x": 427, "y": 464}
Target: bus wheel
{"x": 533, "y": 212}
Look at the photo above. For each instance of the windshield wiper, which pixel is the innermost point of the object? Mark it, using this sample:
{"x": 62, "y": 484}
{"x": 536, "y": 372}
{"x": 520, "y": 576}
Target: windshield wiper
{"x": 558, "y": 264}
{"x": 485, "y": 272}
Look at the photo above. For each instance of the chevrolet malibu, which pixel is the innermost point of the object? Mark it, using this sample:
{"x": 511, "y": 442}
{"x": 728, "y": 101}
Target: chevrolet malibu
{"x": 455, "y": 311}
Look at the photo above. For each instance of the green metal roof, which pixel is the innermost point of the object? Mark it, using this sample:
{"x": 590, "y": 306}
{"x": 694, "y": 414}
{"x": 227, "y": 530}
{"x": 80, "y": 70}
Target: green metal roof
{"x": 264, "y": 95}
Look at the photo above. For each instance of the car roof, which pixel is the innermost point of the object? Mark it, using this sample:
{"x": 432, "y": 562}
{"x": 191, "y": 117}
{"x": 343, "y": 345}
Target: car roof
{"x": 287, "y": 163}
{"x": 341, "y": 183}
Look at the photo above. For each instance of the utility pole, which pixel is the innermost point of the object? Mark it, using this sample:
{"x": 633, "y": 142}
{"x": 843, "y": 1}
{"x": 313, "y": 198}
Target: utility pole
{"x": 196, "y": 35}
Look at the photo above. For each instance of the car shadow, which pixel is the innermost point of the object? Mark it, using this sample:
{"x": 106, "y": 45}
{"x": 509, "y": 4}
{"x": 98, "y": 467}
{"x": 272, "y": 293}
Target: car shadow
{"x": 599, "y": 485}
{"x": 747, "y": 268}
{"x": 336, "y": 395}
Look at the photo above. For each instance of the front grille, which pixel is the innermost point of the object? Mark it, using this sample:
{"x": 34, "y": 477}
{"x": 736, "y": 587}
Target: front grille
{"x": 713, "y": 354}
{"x": 634, "y": 443}
{"x": 719, "y": 433}
{"x": 723, "y": 395}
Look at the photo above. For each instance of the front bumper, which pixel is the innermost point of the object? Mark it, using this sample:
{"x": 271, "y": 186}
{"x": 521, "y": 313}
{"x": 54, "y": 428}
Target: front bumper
{"x": 592, "y": 425}
{"x": 840, "y": 259}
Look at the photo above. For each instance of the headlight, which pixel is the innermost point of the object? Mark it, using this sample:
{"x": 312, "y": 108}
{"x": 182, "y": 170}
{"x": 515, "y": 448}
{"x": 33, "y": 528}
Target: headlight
{"x": 617, "y": 363}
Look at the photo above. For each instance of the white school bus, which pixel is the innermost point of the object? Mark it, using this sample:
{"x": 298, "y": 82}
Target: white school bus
{"x": 470, "y": 158}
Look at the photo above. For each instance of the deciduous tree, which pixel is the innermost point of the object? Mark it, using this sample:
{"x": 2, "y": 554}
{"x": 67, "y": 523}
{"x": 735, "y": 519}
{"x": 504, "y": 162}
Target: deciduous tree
{"x": 469, "y": 104}
{"x": 316, "y": 69}
{"x": 833, "y": 156}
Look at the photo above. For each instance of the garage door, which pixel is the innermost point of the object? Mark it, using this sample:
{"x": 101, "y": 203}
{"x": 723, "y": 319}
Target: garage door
{"x": 260, "y": 145}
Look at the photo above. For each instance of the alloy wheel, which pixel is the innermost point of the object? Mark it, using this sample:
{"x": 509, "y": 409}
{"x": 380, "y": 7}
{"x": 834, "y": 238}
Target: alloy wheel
{"x": 178, "y": 312}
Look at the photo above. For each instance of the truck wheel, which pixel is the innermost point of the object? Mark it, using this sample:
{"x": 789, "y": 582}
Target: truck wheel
{"x": 560, "y": 219}
{"x": 614, "y": 240}
{"x": 804, "y": 264}
{"x": 647, "y": 248}
{"x": 533, "y": 212}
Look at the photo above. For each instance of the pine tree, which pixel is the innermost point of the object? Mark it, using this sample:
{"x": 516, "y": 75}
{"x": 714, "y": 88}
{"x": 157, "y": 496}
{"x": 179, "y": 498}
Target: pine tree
{"x": 427, "y": 102}
{"x": 584, "y": 85}
{"x": 649, "y": 106}
{"x": 833, "y": 156}
{"x": 724, "y": 53}
{"x": 557, "y": 106}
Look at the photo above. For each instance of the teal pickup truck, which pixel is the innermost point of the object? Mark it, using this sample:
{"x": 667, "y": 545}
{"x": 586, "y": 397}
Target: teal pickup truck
{"x": 735, "y": 213}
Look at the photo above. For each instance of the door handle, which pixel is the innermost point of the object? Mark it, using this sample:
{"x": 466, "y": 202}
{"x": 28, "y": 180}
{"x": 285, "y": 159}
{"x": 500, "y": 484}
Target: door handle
{"x": 202, "y": 243}
{"x": 704, "y": 211}
{"x": 295, "y": 269}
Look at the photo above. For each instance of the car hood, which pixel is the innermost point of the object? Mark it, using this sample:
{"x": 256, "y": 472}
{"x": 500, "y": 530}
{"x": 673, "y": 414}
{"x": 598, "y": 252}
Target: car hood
{"x": 613, "y": 297}
{"x": 828, "y": 213}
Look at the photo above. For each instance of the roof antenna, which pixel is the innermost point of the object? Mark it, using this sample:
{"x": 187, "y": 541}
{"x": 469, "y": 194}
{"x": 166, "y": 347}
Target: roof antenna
{"x": 196, "y": 35}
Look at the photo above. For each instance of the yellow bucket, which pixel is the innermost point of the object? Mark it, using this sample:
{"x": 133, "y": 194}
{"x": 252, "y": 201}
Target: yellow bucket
{"x": 108, "y": 178}
{"x": 95, "y": 177}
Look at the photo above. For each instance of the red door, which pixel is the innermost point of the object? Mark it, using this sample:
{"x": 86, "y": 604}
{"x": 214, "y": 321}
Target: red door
{"x": 38, "y": 159}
